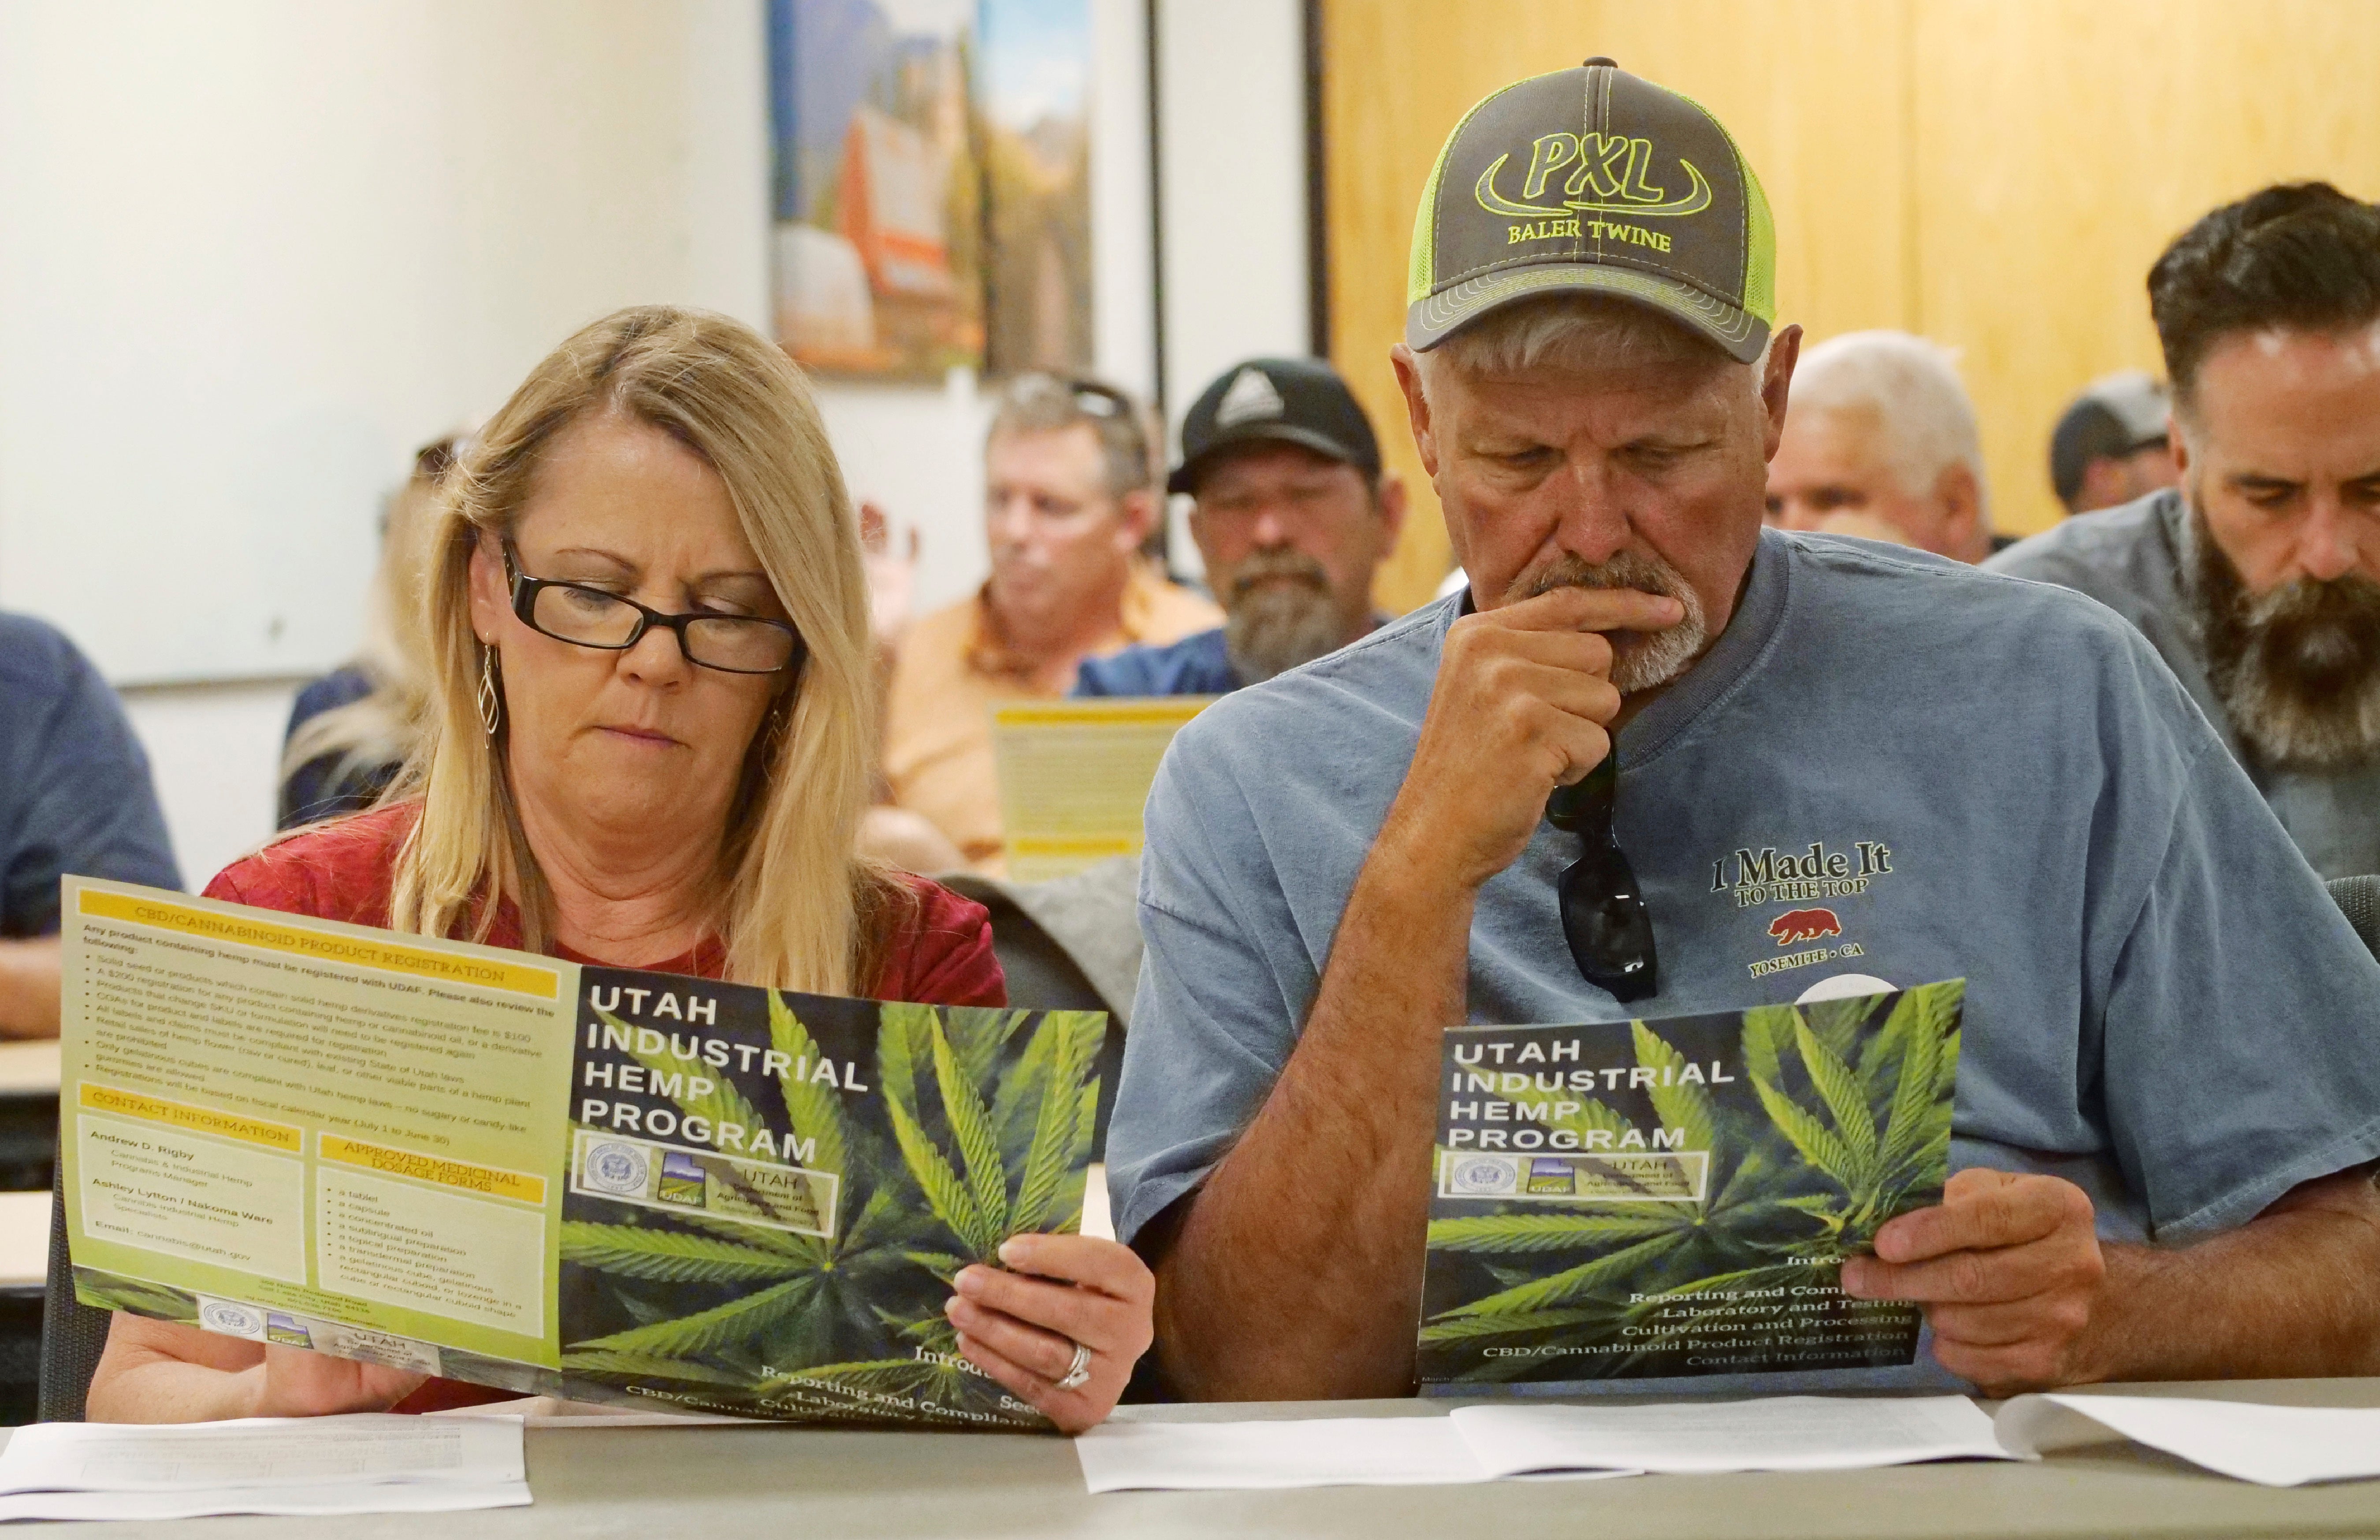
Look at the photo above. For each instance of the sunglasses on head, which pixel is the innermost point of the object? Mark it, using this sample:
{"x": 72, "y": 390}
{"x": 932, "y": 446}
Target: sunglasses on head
{"x": 1603, "y": 913}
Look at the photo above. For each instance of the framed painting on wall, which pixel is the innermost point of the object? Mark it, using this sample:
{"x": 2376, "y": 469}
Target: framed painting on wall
{"x": 1033, "y": 95}
{"x": 876, "y": 188}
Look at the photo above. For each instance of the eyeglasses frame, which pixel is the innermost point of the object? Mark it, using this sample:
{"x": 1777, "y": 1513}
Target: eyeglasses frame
{"x": 525, "y": 589}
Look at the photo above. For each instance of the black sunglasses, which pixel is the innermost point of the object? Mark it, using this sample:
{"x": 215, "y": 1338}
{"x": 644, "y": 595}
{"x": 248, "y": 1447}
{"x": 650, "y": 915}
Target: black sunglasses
{"x": 586, "y": 616}
{"x": 1603, "y": 913}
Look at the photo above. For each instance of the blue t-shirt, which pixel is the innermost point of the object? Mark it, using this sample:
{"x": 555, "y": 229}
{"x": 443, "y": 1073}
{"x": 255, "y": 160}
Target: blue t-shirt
{"x": 74, "y": 785}
{"x": 1975, "y": 777}
{"x": 1194, "y": 665}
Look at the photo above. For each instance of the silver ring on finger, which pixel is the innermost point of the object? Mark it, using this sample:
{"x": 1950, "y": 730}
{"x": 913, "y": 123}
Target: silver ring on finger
{"x": 1078, "y": 1373}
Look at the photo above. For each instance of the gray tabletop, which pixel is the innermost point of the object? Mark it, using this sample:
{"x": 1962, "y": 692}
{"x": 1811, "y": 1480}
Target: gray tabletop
{"x": 640, "y": 1483}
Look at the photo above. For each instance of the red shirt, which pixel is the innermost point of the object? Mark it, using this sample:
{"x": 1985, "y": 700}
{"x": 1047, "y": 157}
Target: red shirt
{"x": 343, "y": 870}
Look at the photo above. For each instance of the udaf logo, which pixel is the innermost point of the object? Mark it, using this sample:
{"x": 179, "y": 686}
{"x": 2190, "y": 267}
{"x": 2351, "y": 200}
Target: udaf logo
{"x": 1610, "y": 167}
{"x": 1804, "y": 924}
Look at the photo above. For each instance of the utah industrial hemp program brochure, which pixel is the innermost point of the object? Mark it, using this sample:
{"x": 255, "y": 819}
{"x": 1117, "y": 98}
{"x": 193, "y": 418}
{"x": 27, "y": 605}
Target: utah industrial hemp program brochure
{"x": 1659, "y": 1199}
{"x": 557, "y": 1179}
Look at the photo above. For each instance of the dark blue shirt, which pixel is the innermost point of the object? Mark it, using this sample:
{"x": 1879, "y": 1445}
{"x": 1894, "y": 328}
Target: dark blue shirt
{"x": 330, "y": 785}
{"x": 75, "y": 797}
{"x": 1194, "y": 665}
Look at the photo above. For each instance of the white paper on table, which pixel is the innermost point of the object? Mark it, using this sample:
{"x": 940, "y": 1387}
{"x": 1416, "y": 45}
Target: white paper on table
{"x": 1782, "y": 1433}
{"x": 1267, "y": 1456}
{"x": 365, "y": 1449}
{"x": 325, "y": 1501}
{"x": 2273, "y": 1445}
{"x": 544, "y": 1411}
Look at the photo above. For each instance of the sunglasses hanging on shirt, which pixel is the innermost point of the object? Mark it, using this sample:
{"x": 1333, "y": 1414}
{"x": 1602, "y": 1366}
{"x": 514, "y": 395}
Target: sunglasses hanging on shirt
{"x": 1603, "y": 913}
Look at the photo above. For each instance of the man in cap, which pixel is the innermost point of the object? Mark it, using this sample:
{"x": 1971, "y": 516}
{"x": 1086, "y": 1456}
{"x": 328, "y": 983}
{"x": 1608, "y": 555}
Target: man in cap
{"x": 2258, "y": 579}
{"x": 2110, "y": 443}
{"x": 1882, "y": 443}
{"x": 1293, "y": 515}
{"x": 2167, "y": 1097}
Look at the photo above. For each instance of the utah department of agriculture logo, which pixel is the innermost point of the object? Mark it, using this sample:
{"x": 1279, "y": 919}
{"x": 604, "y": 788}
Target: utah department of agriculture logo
{"x": 231, "y": 1320}
{"x": 616, "y": 1166}
{"x": 1483, "y": 1176}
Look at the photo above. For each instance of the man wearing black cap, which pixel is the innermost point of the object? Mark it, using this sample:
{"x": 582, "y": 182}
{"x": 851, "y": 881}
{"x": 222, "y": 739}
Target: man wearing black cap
{"x": 2168, "y": 1104}
{"x": 1293, "y": 514}
{"x": 2111, "y": 443}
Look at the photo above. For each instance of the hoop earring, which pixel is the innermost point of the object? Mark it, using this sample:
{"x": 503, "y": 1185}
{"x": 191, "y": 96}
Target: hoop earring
{"x": 489, "y": 699}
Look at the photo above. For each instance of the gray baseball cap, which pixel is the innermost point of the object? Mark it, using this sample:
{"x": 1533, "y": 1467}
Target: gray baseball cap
{"x": 1594, "y": 180}
{"x": 2116, "y": 415}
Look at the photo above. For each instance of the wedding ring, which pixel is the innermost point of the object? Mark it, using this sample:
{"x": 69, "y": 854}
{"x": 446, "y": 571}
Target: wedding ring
{"x": 1078, "y": 1373}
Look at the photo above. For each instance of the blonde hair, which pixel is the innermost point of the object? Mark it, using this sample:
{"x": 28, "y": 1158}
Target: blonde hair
{"x": 799, "y": 909}
{"x": 384, "y": 727}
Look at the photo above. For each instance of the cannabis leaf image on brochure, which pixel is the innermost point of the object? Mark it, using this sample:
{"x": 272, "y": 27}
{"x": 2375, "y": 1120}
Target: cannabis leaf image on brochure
{"x": 1654, "y": 1199}
{"x": 797, "y": 1267}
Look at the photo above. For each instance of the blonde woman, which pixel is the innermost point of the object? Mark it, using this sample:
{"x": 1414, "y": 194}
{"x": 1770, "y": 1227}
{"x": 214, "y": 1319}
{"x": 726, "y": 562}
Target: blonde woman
{"x": 647, "y": 745}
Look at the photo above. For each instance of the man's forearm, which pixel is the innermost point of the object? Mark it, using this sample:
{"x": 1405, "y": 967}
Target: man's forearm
{"x": 29, "y": 987}
{"x": 2293, "y": 1293}
{"x": 1296, "y": 1272}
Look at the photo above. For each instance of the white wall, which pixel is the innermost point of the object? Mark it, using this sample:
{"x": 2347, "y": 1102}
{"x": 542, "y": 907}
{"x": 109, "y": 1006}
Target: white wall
{"x": 1231, "y": 157}
{"x": 215, "y": 752}
{"x": 256, "y": 251}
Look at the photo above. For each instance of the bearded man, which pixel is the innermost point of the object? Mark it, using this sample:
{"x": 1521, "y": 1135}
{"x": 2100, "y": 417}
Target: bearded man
{"x": 1292, "y": 515}
{"x": 2258, "y": 580}
{"x": 2168, "y": 1103}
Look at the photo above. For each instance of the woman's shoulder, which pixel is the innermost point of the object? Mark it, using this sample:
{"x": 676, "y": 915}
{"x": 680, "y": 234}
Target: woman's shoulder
{"x": 341, "y": 870}
{"x": 938, "y": 948}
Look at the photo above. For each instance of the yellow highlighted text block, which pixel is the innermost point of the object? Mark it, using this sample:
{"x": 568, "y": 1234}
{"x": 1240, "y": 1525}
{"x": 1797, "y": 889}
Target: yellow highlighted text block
{"x": 1170, "y": 710}
{"x": 1074, "y": 774}
{"x": 1089, "y": 849}
{"x": 489, "y": 1179}
{"x": 197, "y": 1119}
{"x": 324, "y": 946}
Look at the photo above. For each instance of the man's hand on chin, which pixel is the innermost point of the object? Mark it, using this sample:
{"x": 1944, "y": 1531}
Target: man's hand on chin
{"x": 2010, "y": 1271}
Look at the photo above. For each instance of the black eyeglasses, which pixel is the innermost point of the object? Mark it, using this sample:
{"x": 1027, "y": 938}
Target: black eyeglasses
{"x": 594, "y": 617}
{"x": 1603, "y": 913}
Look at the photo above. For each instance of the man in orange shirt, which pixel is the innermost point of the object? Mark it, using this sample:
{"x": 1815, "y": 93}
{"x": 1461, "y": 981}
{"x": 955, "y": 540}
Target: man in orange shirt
{"x": 1070, "y": 499}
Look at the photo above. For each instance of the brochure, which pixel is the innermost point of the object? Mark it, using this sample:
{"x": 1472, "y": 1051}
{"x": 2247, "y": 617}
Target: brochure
{"x": 1075, "y": 776}
{"x": 583, "y": 1182}
{"x": 1663, "y": 1199}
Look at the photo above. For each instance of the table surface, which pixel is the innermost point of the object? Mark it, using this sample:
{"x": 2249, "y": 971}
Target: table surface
{"x": 636, "y": 1484}
{"x": 29, "y": 1069}
{"x": 24, "y": 1239}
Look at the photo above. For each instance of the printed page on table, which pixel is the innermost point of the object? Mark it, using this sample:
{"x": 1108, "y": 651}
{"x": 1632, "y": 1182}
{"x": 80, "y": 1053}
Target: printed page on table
{"x": 318, "y": 1135}
{"x": 1664, "y": 1206}
{"x": 769, "y": 1192}
{"x": 1075, "y": 776}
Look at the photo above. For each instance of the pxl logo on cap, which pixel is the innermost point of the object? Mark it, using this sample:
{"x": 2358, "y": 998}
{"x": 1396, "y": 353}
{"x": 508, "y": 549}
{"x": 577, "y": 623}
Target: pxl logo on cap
{"x": 1592, "y": 180}
{"x": 1610, "y": 167}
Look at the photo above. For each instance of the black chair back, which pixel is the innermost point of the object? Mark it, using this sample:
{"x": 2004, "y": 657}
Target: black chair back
{"x": 2360, "y": 897}
{"x": 73, "y": 1333}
